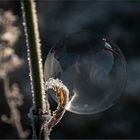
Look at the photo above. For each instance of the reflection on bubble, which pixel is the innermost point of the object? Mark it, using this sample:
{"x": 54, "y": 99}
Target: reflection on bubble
{"x": 92, "y": 69}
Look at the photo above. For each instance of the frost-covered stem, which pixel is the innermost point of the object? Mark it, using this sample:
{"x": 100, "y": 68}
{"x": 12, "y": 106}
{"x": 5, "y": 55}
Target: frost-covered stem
{"x": 35, "y": 62}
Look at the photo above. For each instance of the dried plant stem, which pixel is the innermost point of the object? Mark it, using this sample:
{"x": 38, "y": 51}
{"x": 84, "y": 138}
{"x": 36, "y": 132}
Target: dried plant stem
{"x": 35, "y": 64}
{"x": 15, "y": 117}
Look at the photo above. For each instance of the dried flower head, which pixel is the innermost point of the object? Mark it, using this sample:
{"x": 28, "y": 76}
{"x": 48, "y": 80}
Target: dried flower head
{"x": 9, "y": 33}
{"x": 9, "y": 61}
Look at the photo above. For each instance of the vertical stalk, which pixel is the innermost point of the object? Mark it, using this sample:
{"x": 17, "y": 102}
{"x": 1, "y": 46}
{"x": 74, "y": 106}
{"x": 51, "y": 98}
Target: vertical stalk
{"x": 35, "y": 63}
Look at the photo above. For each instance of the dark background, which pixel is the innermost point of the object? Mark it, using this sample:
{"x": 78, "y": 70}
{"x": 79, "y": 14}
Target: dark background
{"x": 120, "y": 22}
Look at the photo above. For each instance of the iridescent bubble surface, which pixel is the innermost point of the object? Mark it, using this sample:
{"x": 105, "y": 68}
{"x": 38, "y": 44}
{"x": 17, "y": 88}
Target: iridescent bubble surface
{"x": 92, "y": 68}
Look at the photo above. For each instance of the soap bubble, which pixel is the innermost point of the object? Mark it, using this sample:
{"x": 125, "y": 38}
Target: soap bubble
{"x": 91, "y": 67}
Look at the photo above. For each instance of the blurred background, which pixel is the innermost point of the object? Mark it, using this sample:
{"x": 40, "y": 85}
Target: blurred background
{"x": 119, "y": 21}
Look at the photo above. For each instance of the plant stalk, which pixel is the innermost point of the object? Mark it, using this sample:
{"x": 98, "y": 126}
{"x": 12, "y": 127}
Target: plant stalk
{"x": 35, "y": 65}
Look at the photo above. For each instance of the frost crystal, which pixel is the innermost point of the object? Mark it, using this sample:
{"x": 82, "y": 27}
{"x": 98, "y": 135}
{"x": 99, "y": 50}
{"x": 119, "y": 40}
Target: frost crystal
{"x": 51, "y": 83}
